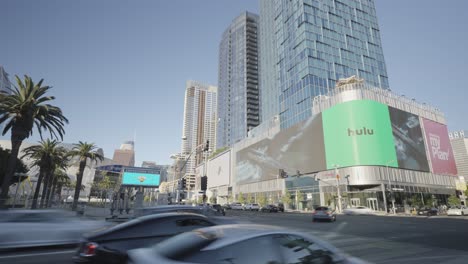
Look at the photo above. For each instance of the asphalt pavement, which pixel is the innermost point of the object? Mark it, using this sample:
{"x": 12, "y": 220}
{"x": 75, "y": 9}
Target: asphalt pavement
{"x": 381, "y": 239}
{"x": 377, "y": 239}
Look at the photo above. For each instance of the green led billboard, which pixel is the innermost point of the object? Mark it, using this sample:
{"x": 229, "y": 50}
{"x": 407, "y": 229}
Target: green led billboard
{"x": 358, "y": 133}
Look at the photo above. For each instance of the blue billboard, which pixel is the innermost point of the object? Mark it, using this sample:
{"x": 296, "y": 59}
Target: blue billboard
{"x": 141, "y": 179}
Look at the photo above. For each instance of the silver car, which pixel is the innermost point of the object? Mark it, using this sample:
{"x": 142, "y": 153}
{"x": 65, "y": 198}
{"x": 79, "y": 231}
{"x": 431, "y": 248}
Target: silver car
{"x": 241, "y": 244}
{"x": 33, "y": 228}
{"x": 324, "y": 213}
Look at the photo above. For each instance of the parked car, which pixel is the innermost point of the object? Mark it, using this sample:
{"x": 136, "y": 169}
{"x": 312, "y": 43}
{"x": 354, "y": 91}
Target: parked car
{"x": 38, "y": 228}
{"x": 241, "y": 244}
{"x": 219, "y": 208}
{"x": 458, "y": 210}
{"x": 252, "y": 207}
{"x": 359, "y": 210}
{"x": 111, "y": 245}
{"x": 280, "y": 207}
{"x": 428, "y": 211}
{"x": 270, "y": 208}
{"x": 237, "y": 206}
{"x": 227, "y": 206}
{"x": 324, "y": 213}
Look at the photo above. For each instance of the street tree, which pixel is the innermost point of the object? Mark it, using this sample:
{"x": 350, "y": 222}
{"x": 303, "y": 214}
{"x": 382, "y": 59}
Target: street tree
{"x": 20, "y": 167}
{"x": 26, "y": 107}
{"x": 213, "y": 199}
{"x": 453, "y": 200}
{"x": 249, "y": 198}
{"x": 83, "y": 151}
{"x": 286, "y": 198}
{"x": 241, "y": 198}
{"x": 48, "y": 156}
{"x": 262, "y": 199}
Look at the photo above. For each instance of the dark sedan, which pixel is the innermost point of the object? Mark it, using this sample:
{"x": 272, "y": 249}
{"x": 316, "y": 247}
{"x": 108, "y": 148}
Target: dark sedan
{"x": 428, "y": 211}
{"x": 324, "y": 213}
{"x": 269, "y": 208}
{"x": 111, "y": 245}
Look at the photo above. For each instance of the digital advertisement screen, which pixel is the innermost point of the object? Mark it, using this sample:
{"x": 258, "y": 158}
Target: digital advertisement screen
{"x": 140, "y": 179}
{"x": 358, "y": 133}
{"x": 409, "y": 141}
{"x": 439, "y": 148}
{"x": 299, "y": 147}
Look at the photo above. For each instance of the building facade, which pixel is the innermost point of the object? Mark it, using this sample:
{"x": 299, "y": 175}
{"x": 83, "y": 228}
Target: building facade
{"x": 317, "y": 43}
{"x": 125, "y": 155}
{"x": 376, "y": 147}
{"x": 238, "y": 94}
{"x": 199, "y": 124}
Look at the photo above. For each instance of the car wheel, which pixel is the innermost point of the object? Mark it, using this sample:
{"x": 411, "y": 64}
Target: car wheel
{"x": 463, "y": 213}
{"x": 334, "y": 219}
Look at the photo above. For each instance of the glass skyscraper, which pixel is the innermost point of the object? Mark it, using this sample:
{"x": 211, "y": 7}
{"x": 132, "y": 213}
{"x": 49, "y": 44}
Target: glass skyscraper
{"x": 238, "y": 94}
{"x": 316, "y": 42}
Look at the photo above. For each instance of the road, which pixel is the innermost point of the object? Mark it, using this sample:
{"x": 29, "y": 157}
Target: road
{"x": 377, "y": 239}
{"x": 382, "y": 239}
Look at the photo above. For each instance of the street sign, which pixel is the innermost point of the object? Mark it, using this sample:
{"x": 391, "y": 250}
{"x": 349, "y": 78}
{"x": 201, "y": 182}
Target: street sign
{"x": 309, "y": 196}
{"x": 398, "y": 189}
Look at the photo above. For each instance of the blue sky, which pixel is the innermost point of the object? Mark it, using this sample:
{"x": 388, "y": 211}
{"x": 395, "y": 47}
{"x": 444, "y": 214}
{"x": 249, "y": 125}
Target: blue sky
{"x": 120, "y": 66}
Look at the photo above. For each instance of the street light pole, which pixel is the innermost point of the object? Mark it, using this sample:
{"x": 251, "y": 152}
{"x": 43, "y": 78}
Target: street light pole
{"x": 390, "y": 187}
{"x": 338, "y": 191}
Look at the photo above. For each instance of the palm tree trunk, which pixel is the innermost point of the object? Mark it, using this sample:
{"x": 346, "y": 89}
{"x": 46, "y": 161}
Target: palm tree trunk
{"x": 79, "y": 180}
{"x": 51, "y": 192}
{"x": 38, "y": 188}
{"x": 15, "y": 146}
{"x": 45, "y": 188}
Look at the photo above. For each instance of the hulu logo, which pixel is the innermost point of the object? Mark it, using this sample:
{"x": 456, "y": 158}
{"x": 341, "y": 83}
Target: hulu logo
{"x": 360, "y": 132}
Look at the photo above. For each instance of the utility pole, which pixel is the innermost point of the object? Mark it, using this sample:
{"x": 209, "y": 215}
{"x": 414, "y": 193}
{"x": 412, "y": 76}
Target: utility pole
{"x": 338, "y": 191}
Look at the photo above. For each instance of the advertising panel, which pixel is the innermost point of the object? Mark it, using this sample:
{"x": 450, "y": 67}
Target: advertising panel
{"x": 358, "y": 133}
{"x": 299, "y": 147}
{"x": 140, "y": 179}
{"x": 219, "y": 170}
{"x": 409, "y": 141}
{"x": 439, "y": 148}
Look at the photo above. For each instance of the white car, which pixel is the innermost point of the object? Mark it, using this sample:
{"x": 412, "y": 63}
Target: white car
{"x": 237, "y": 206}
{"x": 458, "y": 210}
{"x": 359, "y": 210}
{"x": 252, "y": 207}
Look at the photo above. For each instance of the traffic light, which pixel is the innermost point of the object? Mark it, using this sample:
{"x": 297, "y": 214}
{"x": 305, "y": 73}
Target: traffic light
{"x": 282, "y": 173}
{"x": 204, "y": 183}
{"x": 184, "y": 184}
{"x": 207, "y": 146}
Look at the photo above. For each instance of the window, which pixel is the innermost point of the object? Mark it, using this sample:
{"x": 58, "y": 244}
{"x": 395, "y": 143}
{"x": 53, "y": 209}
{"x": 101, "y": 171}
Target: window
{"x": 297, "y": 249}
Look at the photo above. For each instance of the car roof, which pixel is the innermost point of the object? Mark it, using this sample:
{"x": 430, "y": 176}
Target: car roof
{"x": 230, "y": 234}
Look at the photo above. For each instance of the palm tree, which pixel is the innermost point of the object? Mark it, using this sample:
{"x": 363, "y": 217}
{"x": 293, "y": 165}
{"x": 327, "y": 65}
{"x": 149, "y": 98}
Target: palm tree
{"x": 83, "y": 151}
{"x": 60, "y": 178}
{"x": 48, "y": 156}
{"x": 27, "y": 106}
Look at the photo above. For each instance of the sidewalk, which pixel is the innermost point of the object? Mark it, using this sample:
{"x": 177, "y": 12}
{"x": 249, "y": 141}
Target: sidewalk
{"x": 381, "y": 213}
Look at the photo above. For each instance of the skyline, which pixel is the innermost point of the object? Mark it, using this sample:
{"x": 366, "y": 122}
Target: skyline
{"x": 96, "y": 47}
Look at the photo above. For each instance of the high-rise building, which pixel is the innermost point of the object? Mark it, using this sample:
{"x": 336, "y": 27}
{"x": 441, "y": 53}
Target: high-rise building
{"x": 199, "y": 122}
{"x": 5, "y": 83}
{"x": 315, "y": 43}
{"x": 238, "y": 94}
{"x": 125, "y": 155}
{"x": 459, "y": 141}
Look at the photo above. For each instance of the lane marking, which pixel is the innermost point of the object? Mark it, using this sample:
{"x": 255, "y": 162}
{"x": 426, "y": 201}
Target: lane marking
{"x": 38, "y": 254}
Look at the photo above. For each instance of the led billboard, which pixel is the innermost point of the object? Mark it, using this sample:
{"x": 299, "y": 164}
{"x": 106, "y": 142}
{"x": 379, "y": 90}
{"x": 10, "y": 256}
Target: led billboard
{"x": 358, "y": 133}
{"x": 297, "y": 148}
{"x": 140, "y": 179}
{"x": 439, "y": 148}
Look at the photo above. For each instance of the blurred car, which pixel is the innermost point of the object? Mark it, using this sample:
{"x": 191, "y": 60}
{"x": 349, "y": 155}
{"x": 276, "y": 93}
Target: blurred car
{"x": 458, "y": 210}
{"x": 227, "y": 206}
{"x": 219, "y": 208}
{"x": 35, "y": 228}
{"x": 280, "y": 207}
{"x": 359, "y": 210}
{"x": 237, "y": 206}
{"x": 324, "y": 213}
{"x": 241, "y": 244}
{"x": 111, "y": 245}
{"x": 199, "y": 209}
{"x": 252, "y": 207}
{"x": 270, "y": 208}
{"x": 428, "y": 211}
